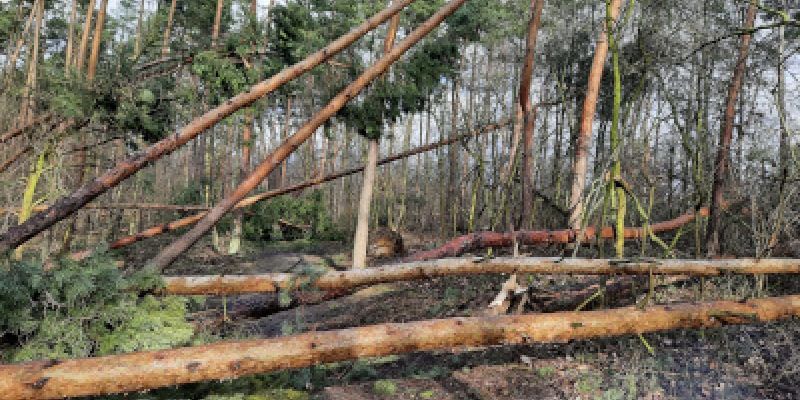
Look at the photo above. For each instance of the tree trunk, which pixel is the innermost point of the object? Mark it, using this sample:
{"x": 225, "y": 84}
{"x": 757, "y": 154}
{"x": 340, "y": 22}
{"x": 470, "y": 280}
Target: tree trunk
{"x": 98, "y": 39}
{"x": 722, "y": 164}
{"x": 87, "y": 28}
{"x": 225, "y": 360}
{"x": 580, "y": 161}
{"x": 171, "y": 252}
{"x": 69, "y": 204}
{"x": 168, "y": 29}
{"x": 423, "y": 270}
{"x": 217, "y": 21}
{"x": 137, "y": 44}
{"x": 530, "y": 118}
{"x": 362, "y": 224}
{"x": 73, "y": 17}
{"x": 480, "y": 240}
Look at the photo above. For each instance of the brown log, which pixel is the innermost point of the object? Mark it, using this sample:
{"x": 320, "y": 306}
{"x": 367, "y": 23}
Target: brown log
{"x": 225, "y": 360}
{"x": 480, "y": 240}
{"x": 187, "y": 221}
{"x": 67, "y": 205}
{"x": 340, "y": 280}
{"x": 14, "y": 158}
{"x": 179, "y": 246}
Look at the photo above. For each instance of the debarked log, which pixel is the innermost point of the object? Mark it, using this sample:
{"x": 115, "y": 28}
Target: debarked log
{"x": 339, "y": 280}
{"x": 225, "y": 360}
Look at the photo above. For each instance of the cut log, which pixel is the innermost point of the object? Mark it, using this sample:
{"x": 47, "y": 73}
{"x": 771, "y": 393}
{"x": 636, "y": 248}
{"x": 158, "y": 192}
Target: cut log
{"x": 67, "y": 205}
{"x": 338, "y": 280}
{"x": 225, "y": 360}
{"x": 481, "y": 240}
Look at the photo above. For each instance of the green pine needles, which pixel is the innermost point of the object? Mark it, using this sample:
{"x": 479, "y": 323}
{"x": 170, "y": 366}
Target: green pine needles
{"x": 79, "y": 309}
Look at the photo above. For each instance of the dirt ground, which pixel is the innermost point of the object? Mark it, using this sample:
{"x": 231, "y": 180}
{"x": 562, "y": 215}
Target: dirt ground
{"x": 738, "y": 362}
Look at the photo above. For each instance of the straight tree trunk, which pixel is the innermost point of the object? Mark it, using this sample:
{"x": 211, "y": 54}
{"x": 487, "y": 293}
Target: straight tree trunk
{"x": 168, "y": 29}
{"x": 581, "y": 156}
{"x": 73, "y": 17}
{"x": 722, "y": 164}
{"x": 529, "y": 118}
{"x": 69, "y": 204}
{"x": 219, "y": 285}
{"x": 225, "y": 360}
{"x": 171, "y": 252}
{"x": 286, "y": 129}
{"x": 137, "y": 44}
{"x": 362, "y": 224}
{"x": 217, "y": 21}
{"x": 87, "y": 28}
{"x": 98, "y": 39}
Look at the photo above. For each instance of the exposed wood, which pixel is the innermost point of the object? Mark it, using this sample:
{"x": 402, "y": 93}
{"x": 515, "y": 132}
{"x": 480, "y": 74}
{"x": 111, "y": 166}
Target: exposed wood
{"x": 722, "y": 163}
{"x": 174, "y": 250}
{"x": 87, "y": 28}
{"x": 148, "y": 370}
{"x": 67, "y": 205}
{"x": 583, "y": 139}
{"x": 339, "y": 280}
{"x": 187, "y": 221}
{"x": 480, "y": 240}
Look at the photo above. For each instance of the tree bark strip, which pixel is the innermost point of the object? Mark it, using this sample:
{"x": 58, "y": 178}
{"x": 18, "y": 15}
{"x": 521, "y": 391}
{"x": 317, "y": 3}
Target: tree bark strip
{"x": 98, "y": 39}
{"x": 148, "y": 370}
{"x": 581, "y": 156}
{"x": 345, "y": 280}
{"x": 184, "y": 222}
{"x": 722, "y": 164}
{"x": 171, "y": 252}
{"x": 67, "y": 205}
{"x": 480, "y": 240}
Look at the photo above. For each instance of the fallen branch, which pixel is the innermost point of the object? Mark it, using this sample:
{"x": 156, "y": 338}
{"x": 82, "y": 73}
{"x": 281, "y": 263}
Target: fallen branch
{"x": 480, "y": 240}
{"x": 119, "y": 206}
{"x": 188, "y": 221}
{"x": 337, "y": 280}
{"x": 148, "y": 370}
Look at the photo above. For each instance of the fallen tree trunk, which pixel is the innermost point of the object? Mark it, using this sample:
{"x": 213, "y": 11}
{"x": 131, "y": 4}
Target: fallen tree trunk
{"x": 119, "y": 206}
{"x": 187, "y": 221}
{"x": 67, "y": 205}
{"x": 225, "y": 360}
{"x": 480, "y": 240}
{"x": 338, "y": 280}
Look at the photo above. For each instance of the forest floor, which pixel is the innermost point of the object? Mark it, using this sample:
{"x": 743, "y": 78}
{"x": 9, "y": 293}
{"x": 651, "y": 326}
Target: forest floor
{"x": 735, "y": 362}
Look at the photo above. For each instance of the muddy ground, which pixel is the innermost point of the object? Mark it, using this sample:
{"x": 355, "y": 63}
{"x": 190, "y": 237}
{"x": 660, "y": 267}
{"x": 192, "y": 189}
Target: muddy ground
{"x": 739, "y": 362}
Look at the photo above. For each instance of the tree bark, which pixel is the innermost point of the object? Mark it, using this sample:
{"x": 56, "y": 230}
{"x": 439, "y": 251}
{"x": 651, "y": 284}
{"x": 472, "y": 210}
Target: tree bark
{"x": 73, "y": 17}
{"x": 422, "y": 270}
{"x": 168, "y": 29}
{"x": 217, "y": 21}
{"x": 580, "y": 161}
{"x": 480, "y": 240}
{"x": 69, "y": 204}
{"x": 148, "y": 370}
{"x": 530, "y": 118}
{"x": 87, "y": 27}
{"x": 171, "y": 252}
{"x": 722, "y": 164}
{"x": 98, "y": 39}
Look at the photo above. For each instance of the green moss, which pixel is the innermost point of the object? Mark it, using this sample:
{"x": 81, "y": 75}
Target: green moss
{"x": 384, "y": 387}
